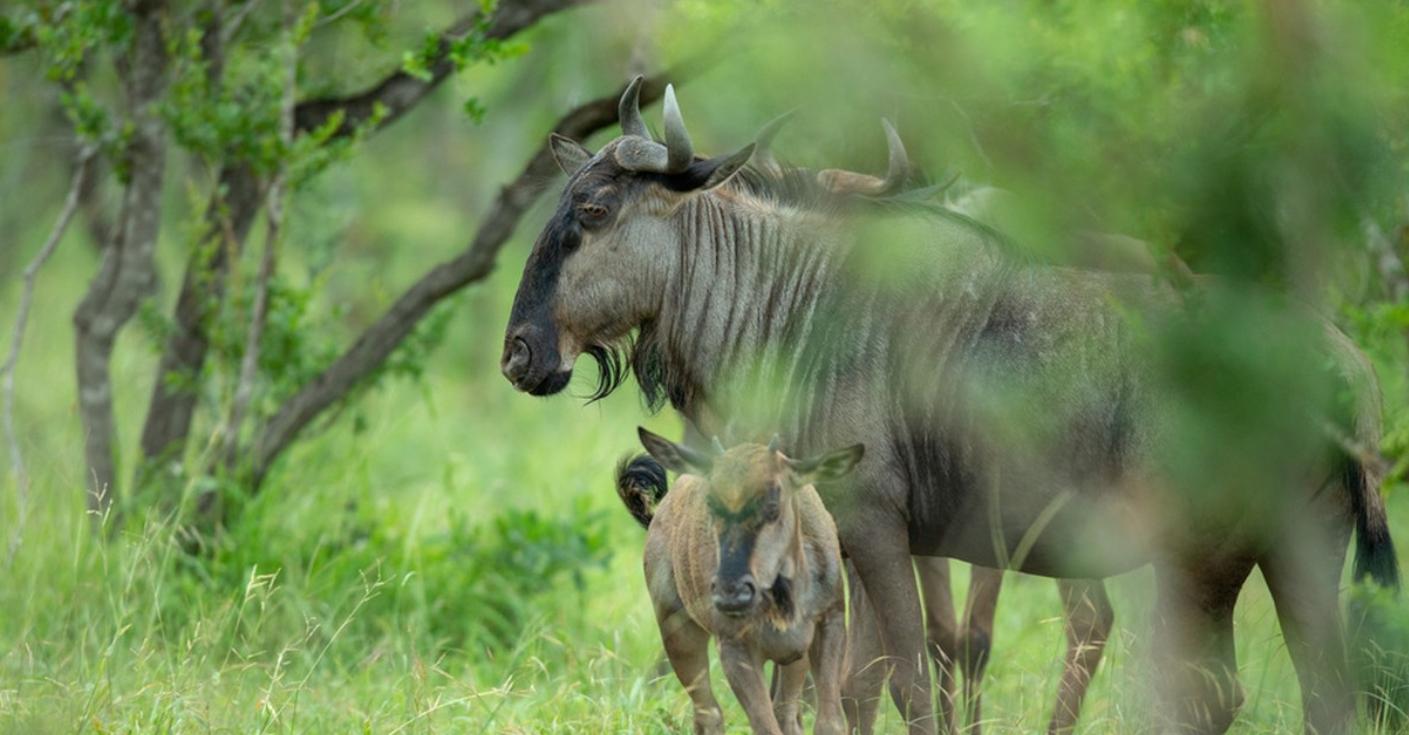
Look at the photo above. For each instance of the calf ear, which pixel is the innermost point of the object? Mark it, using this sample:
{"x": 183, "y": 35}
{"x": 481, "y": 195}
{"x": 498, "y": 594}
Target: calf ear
{"x": 829, "y": 466}
{"x": 569, "y": 154}
{"x": 672, "y": 456}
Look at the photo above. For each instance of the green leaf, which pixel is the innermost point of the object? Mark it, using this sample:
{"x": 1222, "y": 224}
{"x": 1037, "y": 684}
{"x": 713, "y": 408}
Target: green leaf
{"x": 475, "y": 109}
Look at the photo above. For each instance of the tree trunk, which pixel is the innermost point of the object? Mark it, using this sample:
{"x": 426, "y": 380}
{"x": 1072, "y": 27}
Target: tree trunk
{"x": 127, "y": 274}
{"x": 228, "y": 220}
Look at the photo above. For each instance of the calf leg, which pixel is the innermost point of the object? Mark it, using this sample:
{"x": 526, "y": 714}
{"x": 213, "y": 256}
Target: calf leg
{"x": 744, "y": 670}
{"x": 865, "y": 660}
{"x": 787, "y": 696}
{"x": 1303, "y": 575}
{"x": 977, "y": 641}
{"x": 687, "y": 647}
{"x": 828, "y": 660}
{"x": 941, "y": 630}
{"x": 883, "y": 562}
{"x": 1197, "y": 666}
{"x": 1089, "y": 618}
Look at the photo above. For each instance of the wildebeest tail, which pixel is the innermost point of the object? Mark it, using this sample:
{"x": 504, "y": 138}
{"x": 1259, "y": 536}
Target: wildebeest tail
{"x": 640, "y": 483}
{"x": 1374, "y": 550}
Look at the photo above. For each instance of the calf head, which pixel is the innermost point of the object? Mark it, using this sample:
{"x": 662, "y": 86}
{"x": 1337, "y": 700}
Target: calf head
{"x": 751, "y": 493}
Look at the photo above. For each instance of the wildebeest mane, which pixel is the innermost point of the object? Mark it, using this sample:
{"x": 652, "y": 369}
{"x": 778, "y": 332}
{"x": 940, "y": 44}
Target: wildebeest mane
{"x": 785, "y": 186}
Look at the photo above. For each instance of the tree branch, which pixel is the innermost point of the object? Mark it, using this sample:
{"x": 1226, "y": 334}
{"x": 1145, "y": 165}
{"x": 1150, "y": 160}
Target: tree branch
{"x": 400, "y": 91}
{"x": 236, "y": 202}
{"x": 7, "y": 370}
{"x": 274, "y": 220}
{"x": 378, "y": 341}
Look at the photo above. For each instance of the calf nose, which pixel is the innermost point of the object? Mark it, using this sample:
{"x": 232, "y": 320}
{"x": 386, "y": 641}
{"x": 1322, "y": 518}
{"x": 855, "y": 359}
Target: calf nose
{"x": 516, "y": 358}
{"x": 736, "y": 597}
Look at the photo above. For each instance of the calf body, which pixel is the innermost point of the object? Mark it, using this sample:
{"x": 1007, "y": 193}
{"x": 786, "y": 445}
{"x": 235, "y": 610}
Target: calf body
{"x": 742, "y": 550}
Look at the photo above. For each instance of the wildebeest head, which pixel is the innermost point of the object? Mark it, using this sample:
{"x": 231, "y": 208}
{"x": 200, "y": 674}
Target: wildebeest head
{"x": 750, "y": 493}
{"x": 598, "y": 268}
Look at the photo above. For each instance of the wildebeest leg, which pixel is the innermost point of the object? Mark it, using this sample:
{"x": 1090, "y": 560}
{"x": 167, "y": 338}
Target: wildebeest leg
{"x": 687, "y": 647}
{"x": 828, "y": 661}
{"x": 882, "y": 561}
{"x": 744, "y": 670}
{"x": 1089, "y": 618}
{"x": 865, "y": 660}
{"x": 976, "y": 641}
{"x": 787, "y": 695}
{"x": 1303, "y": 574}
{"x": 1197, "y": 666}
{"x": 941, "y": 630}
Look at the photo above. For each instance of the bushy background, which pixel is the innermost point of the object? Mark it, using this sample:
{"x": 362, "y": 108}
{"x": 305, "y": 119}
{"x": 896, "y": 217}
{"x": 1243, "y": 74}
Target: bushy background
{"x": 442, "y": 554}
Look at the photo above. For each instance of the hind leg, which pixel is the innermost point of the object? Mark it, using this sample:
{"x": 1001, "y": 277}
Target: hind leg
{"x": 1303, "y": 574}
{"x": 977, "y": 639}
{"x": 1089, "y": 618}
{"x": 1197, "y": 666}
{"x": 941, "y": 631}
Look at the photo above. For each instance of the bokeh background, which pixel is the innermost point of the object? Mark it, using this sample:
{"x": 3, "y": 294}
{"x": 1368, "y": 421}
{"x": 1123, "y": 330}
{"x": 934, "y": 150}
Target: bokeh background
{"x": 437, "y": 553}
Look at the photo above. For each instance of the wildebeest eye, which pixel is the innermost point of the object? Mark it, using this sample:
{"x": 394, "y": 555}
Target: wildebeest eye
{"x": 591, "y": 212}
{"x": 770, "y": 510}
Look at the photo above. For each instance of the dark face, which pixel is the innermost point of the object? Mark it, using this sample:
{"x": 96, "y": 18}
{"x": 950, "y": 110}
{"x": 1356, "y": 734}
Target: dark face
{"x": 748, "y": 487}
{"x": 600, "y": 266}
{"x": 546, "y": 331}
{"x": 750, "y": 496}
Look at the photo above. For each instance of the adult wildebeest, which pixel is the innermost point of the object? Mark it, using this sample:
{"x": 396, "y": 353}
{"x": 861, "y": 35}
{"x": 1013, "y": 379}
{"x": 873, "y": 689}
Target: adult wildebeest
{"x": 963, "y": 644}
{"x": 742, "y": 549}
{"x": 1016, "y": 415}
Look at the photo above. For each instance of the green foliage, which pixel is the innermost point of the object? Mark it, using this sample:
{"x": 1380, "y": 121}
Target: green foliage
{"x": 439, "y": 554}
{"x": 68, "y": 33}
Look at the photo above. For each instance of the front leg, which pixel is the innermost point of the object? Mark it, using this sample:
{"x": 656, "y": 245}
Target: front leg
{"x": 882, "y": 559}
{"x": 828, "y": 658}
{"x": 865, "y": 660}
{"x": 744, "y": 670}
{"x": 687, "y": 648}
{"x": 787, "y": 699}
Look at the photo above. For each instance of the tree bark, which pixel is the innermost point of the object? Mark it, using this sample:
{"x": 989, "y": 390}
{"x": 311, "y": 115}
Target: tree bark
{"x": 274, "y": 220}
{"x": 127, "y": 275}
{"x": 228, "y": 219}
{"x": 377, "y": 342}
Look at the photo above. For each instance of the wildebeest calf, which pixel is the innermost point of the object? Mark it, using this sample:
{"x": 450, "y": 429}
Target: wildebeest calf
{"x": 742, "y": 549}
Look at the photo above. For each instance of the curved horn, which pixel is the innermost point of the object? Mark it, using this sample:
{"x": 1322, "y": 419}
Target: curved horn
{"x": 775, "y": 444}
{"x": 763, "y": 153}
{"x": 718, "y": 447}
{"x": 628, "y": 110}
{"x": 841, "y": 181}
{"x": 680, "y": 153}
{"x": 898, "y": 168}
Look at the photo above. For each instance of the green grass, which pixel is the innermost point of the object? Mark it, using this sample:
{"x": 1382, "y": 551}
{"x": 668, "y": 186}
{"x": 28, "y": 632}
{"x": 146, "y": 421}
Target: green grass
{"x": 448, "y": 557}
{"x": 376, "y": 586}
